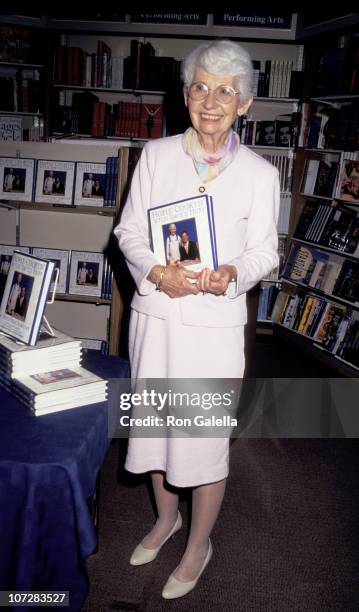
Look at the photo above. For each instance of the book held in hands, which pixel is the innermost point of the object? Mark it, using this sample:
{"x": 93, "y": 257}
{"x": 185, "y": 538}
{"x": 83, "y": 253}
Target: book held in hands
{"x": 183, "y": 233}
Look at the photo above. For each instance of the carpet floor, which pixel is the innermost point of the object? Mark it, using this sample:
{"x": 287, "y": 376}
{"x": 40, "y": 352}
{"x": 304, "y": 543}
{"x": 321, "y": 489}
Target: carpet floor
{"x": 286, "y": 540}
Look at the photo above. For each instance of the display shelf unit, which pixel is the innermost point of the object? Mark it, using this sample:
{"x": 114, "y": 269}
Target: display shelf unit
{"x": 301, "y": 339}
{"x": 72, "y": 227}
{"x": 169, "y": 40}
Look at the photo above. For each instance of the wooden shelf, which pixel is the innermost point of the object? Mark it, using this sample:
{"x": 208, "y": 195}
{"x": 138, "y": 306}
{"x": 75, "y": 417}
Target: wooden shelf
{"x": 22, "y": 65}
{"x": 329, "y": 297}
{"x": 58, "y": 136}
{"x": 275, "y": 99}
{"x": 317, "y": 197}
{"x": 133, "y": 92}
{"x": 5, "y": 112}
{"x": 307, "y": 345}
{"x": 104, "y": 211}
{"x": 270, "y": 147}
{"x": 86, "y": 299}
{"x": 324, "y": 248}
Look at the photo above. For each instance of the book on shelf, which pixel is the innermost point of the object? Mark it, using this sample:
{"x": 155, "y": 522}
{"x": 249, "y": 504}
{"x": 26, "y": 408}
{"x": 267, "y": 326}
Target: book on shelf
{"x": 332, "y": 326}
{"x": 347, "y": 284}
{"x": 151, "y": 121}
{"x": 55, "y": 182}
{"x": 338, "y": 68}
{"x": 60, "y": 258}
{"x": 348, "y": 345}
{"x": 17, "y": 178}
{"x": 348, "y": 184}
{"x": 265, "y": 133}
{"x": 183, "y": 232}
{"x": 341, "y": 230}
{"x": 90, "y": 184}
{"x": 10, "y": 127}
{"x": 86, "y": 273}
{"x": 329, "y": 224}
{"x": 312, "y": 267}
{"x": 319, "y": 177}
{"x": 329, "y": 323}
{"x": 24, "y": 298}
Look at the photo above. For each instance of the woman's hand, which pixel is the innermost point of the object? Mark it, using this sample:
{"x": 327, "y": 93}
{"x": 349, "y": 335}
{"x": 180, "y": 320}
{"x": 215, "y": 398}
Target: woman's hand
{"x": 216, "y": 282}
{"x": 175, "y": 281}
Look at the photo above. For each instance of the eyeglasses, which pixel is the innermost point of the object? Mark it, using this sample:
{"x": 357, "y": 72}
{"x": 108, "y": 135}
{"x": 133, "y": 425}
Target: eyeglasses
{"x": 223, "y": 93}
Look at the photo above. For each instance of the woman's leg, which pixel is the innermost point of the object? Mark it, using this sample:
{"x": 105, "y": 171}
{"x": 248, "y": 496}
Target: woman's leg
{"x": 167, "y": 507}
{"x": 206, "y": 503}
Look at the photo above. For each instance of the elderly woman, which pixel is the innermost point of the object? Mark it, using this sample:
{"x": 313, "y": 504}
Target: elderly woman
{"x": 194, "y": 326}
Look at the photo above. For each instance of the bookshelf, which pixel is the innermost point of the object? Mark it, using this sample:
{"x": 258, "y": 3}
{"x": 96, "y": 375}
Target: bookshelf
{"x": 84, "y": 228}
{"x": 321, "y": 270}
{"x": 317, "y": 309}
{"x": 269, "y": 47}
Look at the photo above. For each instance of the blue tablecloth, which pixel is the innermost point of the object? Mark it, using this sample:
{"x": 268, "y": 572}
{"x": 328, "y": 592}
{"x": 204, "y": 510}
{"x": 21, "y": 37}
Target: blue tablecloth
{"x": 48, "y": 470}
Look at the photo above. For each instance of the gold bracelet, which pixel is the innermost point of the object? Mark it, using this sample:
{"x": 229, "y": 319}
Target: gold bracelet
{"x": 160, "y": 278}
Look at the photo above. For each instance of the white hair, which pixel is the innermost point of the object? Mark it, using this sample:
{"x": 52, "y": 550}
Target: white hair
{"x": 223, "y": 57}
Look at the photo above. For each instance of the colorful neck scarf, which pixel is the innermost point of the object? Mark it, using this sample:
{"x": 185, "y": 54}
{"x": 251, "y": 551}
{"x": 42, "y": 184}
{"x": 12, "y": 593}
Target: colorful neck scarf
{"x": 208, "y": 165}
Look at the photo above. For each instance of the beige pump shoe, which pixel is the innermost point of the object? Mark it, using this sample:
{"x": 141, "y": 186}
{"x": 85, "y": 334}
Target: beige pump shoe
{"x": 142, "y": 555}
{"x": 176, "y": 588}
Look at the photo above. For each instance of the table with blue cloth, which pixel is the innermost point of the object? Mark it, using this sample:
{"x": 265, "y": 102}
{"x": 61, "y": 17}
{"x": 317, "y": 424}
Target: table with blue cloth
{"x": 48, "y": 471}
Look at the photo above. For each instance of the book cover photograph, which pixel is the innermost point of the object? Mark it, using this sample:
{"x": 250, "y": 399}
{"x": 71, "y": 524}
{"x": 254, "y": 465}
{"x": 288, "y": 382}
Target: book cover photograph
{"x": 86, "y": 273}
{"x": 151, "y": 121}
{"x": 55, "y": 182}
{"x": 329, "y": 322}
{"x": 59, "y": 389}
{"x": 60, "y": 258}
{"x": 320, "y": 176}
{"x": 182, "y": 233}
{"x": 347, "y": 285}
{"x": 90, "y": 184}
{"x": 348, "y": 186}
{"x": 6, "y": 253}
{"x": 17, "y": 178}
{"x": 24, "y": 299}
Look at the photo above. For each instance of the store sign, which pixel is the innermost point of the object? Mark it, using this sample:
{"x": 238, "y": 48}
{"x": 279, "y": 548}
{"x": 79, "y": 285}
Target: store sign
{"x": 169, "y": 17}
{"x": 253, "y": 20}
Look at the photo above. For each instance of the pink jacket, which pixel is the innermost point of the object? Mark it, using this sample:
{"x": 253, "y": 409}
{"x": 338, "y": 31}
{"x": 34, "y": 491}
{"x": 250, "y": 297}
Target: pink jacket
{"x": 246, "y": 204}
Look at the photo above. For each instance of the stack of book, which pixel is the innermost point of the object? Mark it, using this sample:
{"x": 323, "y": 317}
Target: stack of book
{"x": 48, "y": 377}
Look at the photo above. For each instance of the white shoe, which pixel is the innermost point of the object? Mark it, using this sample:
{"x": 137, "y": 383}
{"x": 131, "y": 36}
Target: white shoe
{"x": 142, "y": 555}
{"x": 176, "y": 588}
